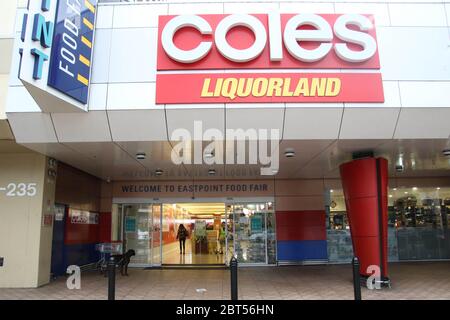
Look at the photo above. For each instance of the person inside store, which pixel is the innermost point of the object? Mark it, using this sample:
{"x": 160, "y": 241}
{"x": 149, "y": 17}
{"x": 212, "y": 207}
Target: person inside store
{"x": 181, "y": 236}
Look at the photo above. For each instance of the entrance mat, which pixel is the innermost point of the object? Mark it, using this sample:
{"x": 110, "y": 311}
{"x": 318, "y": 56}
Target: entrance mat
{"x": 194, "y": 266}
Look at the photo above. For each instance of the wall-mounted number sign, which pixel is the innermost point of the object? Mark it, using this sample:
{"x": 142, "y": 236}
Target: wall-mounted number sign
{"x": 20, "y": 189}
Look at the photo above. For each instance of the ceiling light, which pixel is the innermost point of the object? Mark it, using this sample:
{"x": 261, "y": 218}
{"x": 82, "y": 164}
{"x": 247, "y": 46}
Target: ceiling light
{"x": 289, "y": 153}
{"x": 438, "y": 188}
{"x": 159, "y": 172}
{"x": 395, "y": 189}
{"x": 446, "y": 152}
{"x": 211, "y": 172}
{"x": 414, "y": 188}
{"x": 141, "y": 155}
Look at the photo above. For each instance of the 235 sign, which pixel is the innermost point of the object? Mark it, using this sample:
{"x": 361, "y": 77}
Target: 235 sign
{"x": 20, "y": 189}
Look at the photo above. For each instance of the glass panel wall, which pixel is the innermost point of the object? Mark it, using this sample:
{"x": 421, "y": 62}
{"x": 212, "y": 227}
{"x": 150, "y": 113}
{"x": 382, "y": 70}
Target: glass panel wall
{"x": 421, "y": 219}
{"x": 418, "y": 225}
{"x": 251, "y": 233}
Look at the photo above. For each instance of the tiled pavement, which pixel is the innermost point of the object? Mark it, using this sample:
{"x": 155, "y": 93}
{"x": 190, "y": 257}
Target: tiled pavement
{"x": 409, "y": 281}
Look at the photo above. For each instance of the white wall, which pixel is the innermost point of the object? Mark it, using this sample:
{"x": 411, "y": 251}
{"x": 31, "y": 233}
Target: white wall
{"x": 413, "y": 38}
{"x": 7, "y": 23}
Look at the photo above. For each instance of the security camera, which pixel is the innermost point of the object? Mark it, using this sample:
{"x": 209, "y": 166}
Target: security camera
{"x": 399, "y": 168}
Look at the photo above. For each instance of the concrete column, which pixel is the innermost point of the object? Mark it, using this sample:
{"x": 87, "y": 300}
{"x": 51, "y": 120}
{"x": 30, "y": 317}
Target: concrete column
{"x": 27, "y": 192}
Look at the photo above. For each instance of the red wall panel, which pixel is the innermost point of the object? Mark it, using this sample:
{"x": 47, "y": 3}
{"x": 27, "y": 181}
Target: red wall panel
{"x": 105, "y": 227}
{"x": 301, "y": 225}
{"x": 81, "y": 233}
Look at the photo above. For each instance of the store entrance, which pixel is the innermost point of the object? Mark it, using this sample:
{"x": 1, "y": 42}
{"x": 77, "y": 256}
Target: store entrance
{"x": 206, "y": 230}
{"x": 215, "y": 231}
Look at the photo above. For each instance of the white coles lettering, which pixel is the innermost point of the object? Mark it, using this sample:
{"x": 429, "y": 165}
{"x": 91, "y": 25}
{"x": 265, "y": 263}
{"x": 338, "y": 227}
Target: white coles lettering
{"x": 322, "y": 33}
{"x": 361, "y": 38}
{"x": 244, "y": 20}
{"x": 293, "y": 36}
{"x": 186, "y": 56}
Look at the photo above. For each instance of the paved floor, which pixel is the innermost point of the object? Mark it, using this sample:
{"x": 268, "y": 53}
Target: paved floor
{"x": 409, "y": 281}
{"x": 171, "y": 255}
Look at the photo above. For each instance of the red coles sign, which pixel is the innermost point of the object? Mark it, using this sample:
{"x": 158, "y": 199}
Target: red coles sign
{"x": 267, "y": 41}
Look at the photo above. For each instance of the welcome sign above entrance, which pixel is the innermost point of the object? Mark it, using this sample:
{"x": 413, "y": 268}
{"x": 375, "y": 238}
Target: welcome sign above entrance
{"x": 188, "y": 44}
{"x": 146, "y": 189}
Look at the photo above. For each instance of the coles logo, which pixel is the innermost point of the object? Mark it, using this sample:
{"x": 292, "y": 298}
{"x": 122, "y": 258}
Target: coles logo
{"x": 267, "y": 41}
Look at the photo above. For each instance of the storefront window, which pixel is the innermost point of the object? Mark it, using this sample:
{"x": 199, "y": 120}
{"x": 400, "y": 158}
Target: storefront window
{"x": 421, "y": 219}
{"x": 338, "y": 234}
{"x": 251, "y": 233}
{"x": 418, "y": 225}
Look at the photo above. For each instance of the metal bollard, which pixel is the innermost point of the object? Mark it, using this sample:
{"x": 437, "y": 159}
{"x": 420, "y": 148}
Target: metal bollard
{"x": 234, "y": 280}
{"x": 112, "y": 279}
{"x": 356, "y": 278}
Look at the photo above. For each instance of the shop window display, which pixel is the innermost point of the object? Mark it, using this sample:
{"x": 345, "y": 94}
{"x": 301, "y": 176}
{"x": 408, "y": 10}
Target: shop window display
{"x": 418, "y": 225}
{"x": 421, "y": 219}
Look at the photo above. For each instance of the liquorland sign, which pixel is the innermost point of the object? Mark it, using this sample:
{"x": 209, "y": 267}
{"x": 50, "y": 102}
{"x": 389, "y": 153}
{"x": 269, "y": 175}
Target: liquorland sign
{"x": 56, "y": 49}
{"x": 241, "y": 55}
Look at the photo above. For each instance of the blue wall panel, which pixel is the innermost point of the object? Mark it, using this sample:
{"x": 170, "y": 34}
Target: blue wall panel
{"x": 81, "y": 254}
{"x": 302, "y": 250}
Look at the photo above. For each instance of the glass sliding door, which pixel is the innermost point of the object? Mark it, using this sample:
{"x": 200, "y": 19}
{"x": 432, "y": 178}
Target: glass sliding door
{"x": 137, "y": 226}
{"x": 140, "y": 231}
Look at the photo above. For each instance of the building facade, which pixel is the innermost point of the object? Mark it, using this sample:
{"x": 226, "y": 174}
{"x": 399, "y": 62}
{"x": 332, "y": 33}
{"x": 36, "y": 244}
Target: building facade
{"x": 91, "y": 158}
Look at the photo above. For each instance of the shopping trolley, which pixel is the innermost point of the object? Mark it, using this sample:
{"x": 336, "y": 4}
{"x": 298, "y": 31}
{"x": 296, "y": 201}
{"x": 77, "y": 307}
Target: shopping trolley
{"x": 106, "y": 250}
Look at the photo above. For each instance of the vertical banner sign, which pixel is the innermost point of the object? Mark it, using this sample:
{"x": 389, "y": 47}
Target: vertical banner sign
{"x": 56, "y": 43}
{"x": 70, "y": 62}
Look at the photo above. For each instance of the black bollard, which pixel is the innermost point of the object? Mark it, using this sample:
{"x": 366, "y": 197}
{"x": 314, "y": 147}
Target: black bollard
{"x": 234, "y": 280}
{"x": 356, "y": 278}
{"x": 112, "y": 279}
